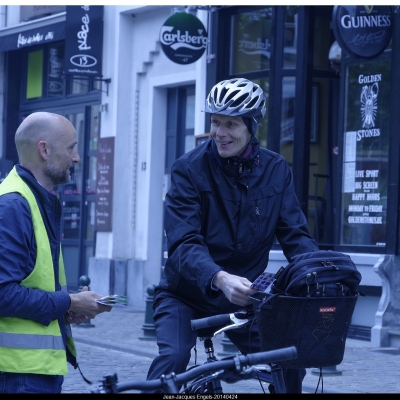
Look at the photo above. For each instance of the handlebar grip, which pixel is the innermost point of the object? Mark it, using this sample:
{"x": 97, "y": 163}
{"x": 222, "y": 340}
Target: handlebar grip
{"x": 216, "y": 320}
{"x": 273, "y": 356}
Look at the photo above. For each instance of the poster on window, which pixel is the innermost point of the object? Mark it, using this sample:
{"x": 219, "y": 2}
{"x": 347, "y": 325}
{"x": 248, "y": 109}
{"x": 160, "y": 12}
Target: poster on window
{"x": 365, "y": 156}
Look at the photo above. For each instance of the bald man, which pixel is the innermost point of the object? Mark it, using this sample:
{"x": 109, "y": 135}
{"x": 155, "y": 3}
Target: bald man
{"x": 35, "y": 306}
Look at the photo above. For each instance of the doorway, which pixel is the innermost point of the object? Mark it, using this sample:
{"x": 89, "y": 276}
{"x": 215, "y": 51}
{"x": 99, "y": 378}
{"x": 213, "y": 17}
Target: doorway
{"x": 180, "y": 136}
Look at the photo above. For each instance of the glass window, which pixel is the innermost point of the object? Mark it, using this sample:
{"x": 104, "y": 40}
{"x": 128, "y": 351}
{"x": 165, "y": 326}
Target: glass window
{"x": 78, "y": 121}
{"x": 94, "y": 127}
{"x": 78, "y": 84}
{"x": 290, "y": 41}
{"x": 365, "y": 162}
{"x": 91, "y": 182}
{"x": 189, "y": 121}
{"x": 287, "y": 117}
{"x": 251, "y": 41}
{"x": 262, "y": 129}
{"x": 34, "y": 81}
{"x": 55, "y": 66}
{"x": 71, "y": 217}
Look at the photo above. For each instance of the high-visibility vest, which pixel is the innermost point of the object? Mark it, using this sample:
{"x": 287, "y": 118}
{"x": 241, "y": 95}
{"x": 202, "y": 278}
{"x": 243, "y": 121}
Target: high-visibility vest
{"x": 27, "y": 346}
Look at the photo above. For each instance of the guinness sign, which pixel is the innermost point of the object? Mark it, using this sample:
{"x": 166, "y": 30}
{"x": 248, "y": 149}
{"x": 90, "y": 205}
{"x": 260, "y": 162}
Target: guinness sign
{"x": 363, "y": 31}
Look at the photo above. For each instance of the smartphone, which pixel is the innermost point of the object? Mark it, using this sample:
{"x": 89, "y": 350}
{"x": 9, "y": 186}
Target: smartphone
{"x": 263, "y": 281}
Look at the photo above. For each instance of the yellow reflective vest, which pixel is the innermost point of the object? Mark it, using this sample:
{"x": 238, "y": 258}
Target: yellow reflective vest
{"x": 27, "y": 346}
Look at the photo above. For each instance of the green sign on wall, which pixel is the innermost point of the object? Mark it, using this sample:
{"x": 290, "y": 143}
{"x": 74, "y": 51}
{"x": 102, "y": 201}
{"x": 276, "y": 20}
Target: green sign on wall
{"x": 183, "y": 38}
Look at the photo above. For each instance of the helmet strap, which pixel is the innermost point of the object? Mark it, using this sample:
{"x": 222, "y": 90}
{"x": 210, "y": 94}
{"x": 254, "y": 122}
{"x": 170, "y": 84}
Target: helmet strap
{"x": 251, "y": 124}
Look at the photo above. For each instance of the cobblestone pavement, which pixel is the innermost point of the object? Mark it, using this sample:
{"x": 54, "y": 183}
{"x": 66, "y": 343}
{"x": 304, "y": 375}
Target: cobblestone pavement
{"x": 122, "y": 342}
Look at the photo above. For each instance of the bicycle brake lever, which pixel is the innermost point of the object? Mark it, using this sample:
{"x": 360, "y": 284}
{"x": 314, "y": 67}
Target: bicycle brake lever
{"x": 237, "y": 323}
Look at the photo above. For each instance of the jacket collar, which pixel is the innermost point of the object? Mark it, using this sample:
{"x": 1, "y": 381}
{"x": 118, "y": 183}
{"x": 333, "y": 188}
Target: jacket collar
{"x": 235, "y": 165}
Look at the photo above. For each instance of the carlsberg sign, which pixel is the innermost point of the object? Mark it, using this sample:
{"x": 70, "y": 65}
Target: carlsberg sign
{"x": 183, "y": 38}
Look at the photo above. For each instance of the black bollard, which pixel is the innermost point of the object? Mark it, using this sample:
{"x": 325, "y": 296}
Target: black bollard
{"x": 149, "y": 329}
{"x": 84, "y": 280}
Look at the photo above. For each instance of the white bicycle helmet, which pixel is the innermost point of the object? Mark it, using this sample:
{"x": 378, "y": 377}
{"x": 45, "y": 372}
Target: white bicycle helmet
{"x": 238, "y": 97}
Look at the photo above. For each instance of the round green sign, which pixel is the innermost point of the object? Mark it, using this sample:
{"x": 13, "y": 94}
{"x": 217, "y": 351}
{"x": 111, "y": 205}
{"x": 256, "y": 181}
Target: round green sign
{"x": 183, "y": 38}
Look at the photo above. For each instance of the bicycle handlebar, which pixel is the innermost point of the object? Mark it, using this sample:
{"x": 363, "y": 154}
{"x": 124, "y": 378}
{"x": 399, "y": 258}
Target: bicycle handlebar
{"x": 169, "y": 383}
{"x": 216, "y": 320}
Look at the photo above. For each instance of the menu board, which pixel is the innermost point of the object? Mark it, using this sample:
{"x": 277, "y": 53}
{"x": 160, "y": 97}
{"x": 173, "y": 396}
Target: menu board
{"x": 365, "y": 157}
{"x": 105, "y": 180}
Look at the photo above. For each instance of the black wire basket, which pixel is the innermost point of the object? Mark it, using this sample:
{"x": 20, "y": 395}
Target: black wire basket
{"x": 317, "y": 326}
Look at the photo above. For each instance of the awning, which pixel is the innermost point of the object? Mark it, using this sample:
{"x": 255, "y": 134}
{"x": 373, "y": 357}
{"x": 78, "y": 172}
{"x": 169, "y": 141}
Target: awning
{"x": 34, "y": 36}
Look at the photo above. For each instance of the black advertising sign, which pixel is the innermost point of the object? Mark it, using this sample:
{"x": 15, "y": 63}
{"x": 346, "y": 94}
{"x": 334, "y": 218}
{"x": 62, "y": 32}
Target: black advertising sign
{"x": 363, "y": 31}
{"x": 183, "y": 38}
{"x": 105, "y": 183}
{"x": 366, "y": 153}
{"x": 84, "y": 40}
{"x": 32, "y": 37}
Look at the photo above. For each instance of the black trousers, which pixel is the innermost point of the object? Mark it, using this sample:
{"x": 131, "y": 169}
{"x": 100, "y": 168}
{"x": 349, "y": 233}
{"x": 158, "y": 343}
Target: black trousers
{"x": 175, "y": 340}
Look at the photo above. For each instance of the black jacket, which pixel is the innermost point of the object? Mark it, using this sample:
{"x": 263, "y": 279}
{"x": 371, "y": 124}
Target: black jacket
{"x": 223, "y": 214}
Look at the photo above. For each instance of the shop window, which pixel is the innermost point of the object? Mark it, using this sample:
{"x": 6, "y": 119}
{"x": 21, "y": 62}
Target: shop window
{"x": 45, "y": 78}
{"x": 251, "y": 41}
{"x": 189, "y": 120}
{"x": 366, "y": 148}
{"x": 290, "y": 41}
{"x": 287, "y": 117}
{"x": 91, "y": 181}
{"x": 78, "y": 84}
{"x": 34, "y": 77}
{"x": 263, "y": 124}
{"x": 55, "y": 66}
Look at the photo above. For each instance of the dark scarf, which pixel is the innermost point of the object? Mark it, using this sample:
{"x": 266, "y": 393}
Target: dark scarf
{"x": 249, "y": 158}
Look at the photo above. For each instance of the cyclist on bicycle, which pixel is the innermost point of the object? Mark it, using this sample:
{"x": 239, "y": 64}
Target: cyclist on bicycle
{"x": 229, "y": 198}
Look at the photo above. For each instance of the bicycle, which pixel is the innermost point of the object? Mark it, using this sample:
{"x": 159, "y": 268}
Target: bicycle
{"x": 231, "y": 369}
{"x": 270, "y": 373}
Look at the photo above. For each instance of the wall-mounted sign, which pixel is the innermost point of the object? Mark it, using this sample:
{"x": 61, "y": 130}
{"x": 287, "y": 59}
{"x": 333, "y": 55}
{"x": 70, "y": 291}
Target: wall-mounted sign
{"x": 84, "y": 40}
{"x": 32, "y": 37}
{"x": 183, "y": 38}
{"x": 363, "y": 31}
{"x": 105, "y": 184}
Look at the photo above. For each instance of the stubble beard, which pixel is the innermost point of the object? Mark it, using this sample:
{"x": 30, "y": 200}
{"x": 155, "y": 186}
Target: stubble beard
{"x": 57, "y": 176}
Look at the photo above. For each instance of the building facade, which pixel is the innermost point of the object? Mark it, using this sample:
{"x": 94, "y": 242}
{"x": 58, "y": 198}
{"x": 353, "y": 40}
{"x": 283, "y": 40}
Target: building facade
{"x": 332, "y": 112}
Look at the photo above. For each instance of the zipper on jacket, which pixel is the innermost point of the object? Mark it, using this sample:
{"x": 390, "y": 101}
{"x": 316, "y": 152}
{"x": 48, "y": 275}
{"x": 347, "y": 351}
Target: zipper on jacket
{"x": 258, "y": 221}
{"x": 240, "y": 168}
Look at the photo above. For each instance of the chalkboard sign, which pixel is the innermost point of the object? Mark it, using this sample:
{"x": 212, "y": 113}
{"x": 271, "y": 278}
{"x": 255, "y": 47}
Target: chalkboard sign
{"x": 105, "y": 180}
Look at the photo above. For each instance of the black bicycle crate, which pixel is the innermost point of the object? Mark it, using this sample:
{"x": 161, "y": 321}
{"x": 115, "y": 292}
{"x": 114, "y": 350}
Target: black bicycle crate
{"x": 317, "y": 326}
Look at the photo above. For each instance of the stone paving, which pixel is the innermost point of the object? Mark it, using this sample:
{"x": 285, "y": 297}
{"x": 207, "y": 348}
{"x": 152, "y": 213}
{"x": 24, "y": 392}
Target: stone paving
{"x": 117, "y": 343}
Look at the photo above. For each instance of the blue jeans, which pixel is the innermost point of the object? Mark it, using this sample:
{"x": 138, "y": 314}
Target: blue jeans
{"x": 30, "y": 383}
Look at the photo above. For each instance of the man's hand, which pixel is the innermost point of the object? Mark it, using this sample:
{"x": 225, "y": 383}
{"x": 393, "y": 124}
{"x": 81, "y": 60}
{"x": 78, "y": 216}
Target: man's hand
{"x": 73, "y": 318}
{"x": 84, "y": 304}
{"x": 235, "y": 288}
